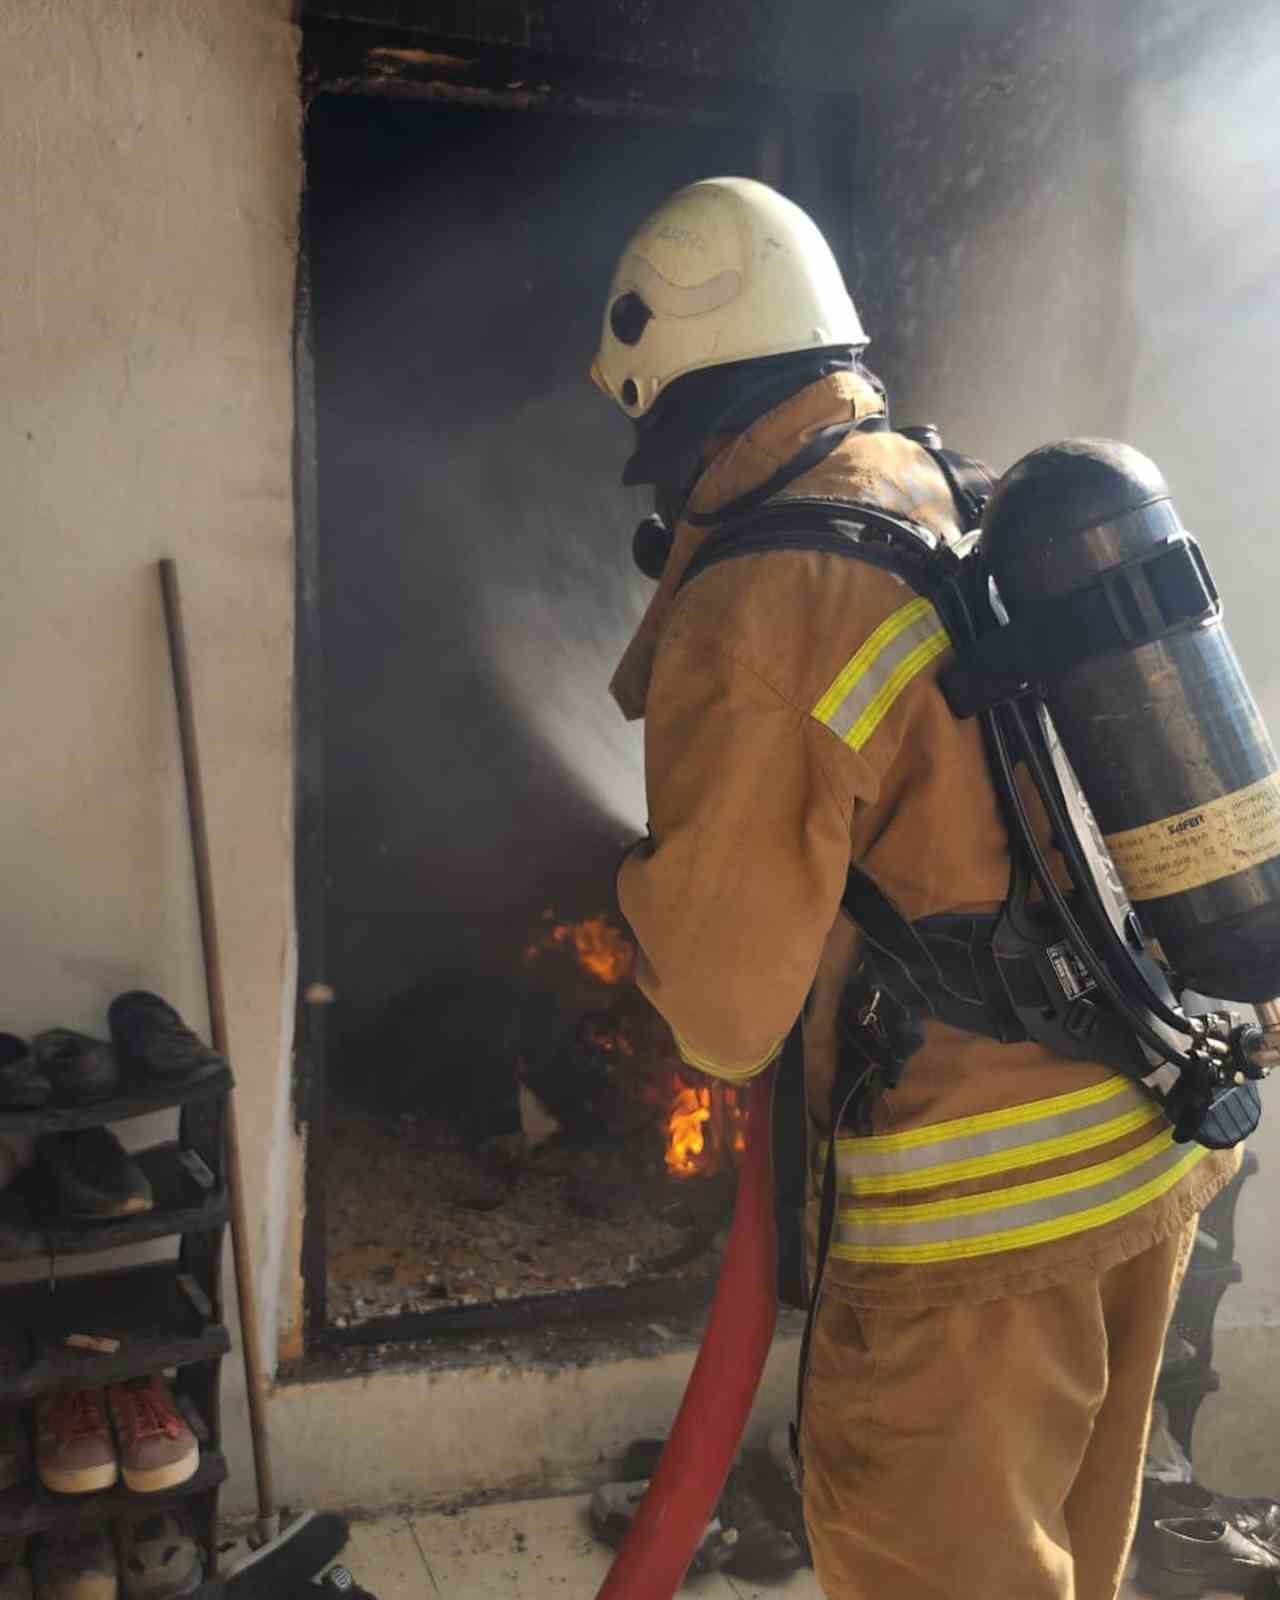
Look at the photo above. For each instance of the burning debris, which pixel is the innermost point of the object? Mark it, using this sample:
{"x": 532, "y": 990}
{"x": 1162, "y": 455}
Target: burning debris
{"x": 618, "y": 1169}
{"x": 705, "y": 1124}
{"x": 602, "y": 950}
{"x": 617, "y": 1068}
{"x": 686, "y": 1141}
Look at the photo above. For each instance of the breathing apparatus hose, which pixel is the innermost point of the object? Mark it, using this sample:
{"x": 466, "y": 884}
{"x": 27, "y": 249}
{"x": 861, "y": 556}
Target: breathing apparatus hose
{"x": 682, "y": 1494}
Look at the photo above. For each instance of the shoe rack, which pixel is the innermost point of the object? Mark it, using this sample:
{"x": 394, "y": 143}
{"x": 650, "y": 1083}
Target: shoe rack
{"x": 165, "y": 1316}
{"x": 1211, "y": 1272}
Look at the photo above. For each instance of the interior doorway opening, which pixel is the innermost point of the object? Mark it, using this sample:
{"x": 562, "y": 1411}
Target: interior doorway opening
{"x": 499, "y": 1120}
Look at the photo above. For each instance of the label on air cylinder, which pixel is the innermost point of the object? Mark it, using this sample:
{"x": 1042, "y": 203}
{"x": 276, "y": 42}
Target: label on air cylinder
{"x": 1191, "y": 848}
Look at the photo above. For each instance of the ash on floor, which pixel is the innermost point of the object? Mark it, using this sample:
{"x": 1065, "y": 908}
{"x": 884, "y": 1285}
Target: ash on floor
{"x": 418, "y": 1221}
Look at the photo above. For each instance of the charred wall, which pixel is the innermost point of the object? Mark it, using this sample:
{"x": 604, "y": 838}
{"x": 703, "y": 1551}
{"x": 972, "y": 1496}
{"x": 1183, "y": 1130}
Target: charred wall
{"x": 996, "y": 178}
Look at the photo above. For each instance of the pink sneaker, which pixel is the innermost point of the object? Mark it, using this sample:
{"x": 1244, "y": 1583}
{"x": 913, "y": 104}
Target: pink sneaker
{"x": 74, "y": 1452}
{"x": 158, "y": 1450}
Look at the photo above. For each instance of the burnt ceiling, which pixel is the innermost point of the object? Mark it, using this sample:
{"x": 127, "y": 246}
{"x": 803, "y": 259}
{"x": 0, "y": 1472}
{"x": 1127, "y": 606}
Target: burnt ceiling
{"x": 814, "y": 43}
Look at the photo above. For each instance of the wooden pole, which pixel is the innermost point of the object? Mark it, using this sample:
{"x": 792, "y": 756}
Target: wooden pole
{"x": 246, "y": 1295}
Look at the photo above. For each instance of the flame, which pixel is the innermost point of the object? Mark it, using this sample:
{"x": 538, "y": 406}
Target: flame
{"x": 686, "y": 1140}
{"x": 602, "y": 951}
{"x": 737, "y": 1122}
{"x": 703, "y": 1124}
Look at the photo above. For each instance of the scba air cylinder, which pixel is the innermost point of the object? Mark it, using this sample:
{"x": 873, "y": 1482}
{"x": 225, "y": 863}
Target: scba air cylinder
{"x": 1153, "y": 709}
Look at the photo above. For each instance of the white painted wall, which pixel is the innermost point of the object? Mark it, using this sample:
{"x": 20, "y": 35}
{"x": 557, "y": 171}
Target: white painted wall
{"x": 149, "y": 183}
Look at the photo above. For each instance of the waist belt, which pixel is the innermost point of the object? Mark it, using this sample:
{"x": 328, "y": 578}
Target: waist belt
{"x": 1010, "y": 976}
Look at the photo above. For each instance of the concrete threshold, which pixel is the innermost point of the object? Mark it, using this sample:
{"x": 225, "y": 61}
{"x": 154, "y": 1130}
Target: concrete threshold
{"x": 444, "y": 1433}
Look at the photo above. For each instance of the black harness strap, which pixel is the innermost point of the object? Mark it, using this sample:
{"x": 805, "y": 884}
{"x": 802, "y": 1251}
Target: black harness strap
{"x": 950, "y": 989}
{"x": 826, "y": 1227}
{"x": 969, "y": 481}
{"x": 1135, "y": 603}
{"x": 831, "y": 527}
{"x": 823, "y": 444}
{"x": 790, "y": 1169}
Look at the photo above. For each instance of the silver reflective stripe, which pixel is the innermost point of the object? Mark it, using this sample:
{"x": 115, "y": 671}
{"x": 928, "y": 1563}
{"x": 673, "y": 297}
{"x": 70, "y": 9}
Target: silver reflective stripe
{"x": 860, "y": 1158}
{"x": 900, "y": 649}
{"x": 1003, "y": 1213}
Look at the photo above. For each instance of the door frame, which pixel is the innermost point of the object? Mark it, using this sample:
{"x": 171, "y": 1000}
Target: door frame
{"x": 799, "y": 139}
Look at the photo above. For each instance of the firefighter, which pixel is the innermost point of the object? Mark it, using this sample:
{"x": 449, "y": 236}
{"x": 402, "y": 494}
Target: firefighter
{"x": 1009, "y": 1224}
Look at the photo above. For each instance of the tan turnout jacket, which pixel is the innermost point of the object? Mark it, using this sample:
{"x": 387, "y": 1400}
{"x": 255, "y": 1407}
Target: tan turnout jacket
{"x": 793, "y": 725}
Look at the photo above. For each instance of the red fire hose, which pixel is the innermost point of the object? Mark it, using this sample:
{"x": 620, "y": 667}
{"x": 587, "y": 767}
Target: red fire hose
{"x": 683, "y": 1492}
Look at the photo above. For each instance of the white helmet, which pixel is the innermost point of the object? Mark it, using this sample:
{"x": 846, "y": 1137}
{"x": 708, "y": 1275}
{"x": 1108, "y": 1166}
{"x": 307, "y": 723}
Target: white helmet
{"x": 726, "y": 270}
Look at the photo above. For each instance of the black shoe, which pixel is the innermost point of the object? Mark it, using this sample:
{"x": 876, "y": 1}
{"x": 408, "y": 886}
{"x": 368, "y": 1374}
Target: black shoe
{"x": 1186, "y": 1556}
{"x": 1256, "y": 1516}
{"x": 81, "y": 1070}
{"x": 22, "y": 1084}
{"x": 613, "y": 1510}
{"x": 338, "y": 1580}
{"x": 94, "y": 1179}
{"x": 150, "y": 1035}
{"x": 1179, "y": 1359}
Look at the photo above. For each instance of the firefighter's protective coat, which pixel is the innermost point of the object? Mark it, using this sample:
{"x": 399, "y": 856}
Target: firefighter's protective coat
{"x": 793, "y": 726}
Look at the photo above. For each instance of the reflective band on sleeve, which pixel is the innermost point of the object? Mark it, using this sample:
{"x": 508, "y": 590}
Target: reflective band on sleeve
{"x": 998, "y": 1141}
{"x": 897, "y": 652}
{"x": 1018, "y": 1217}
{"x": 1191, "y": 848}
{"x": 714, "y": 1069}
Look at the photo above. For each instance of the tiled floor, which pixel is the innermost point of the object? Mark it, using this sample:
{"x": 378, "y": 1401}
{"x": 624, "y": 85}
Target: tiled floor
{"x": 532, "y": 1550}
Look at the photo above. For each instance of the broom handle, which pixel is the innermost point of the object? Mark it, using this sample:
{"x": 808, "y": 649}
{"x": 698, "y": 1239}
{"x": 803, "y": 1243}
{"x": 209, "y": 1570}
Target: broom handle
{"x": 245, "y": 1293}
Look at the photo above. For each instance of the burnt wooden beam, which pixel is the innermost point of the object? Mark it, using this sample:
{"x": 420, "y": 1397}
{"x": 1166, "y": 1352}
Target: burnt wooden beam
{"x": 706, "y": 38}
{"x": 354, "y": 57}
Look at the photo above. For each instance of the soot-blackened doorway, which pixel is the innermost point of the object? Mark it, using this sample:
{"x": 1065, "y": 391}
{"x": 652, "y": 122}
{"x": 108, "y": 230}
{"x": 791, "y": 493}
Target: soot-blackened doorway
{"x": 504, "y": 1119}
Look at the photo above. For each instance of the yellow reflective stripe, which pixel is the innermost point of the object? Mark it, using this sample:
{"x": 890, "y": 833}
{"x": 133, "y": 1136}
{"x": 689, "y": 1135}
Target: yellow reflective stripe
{"x": 869, "y": 684}
{"x": 989, "y": 1142}
{"x": 1017, "y": 1194}
{"x": 991, "y": 1121}
{"x": 884, "y": 635}
{"x": 1022, "y": 1238}
{"x": 714, "y": 1069}
{"x": 1026, "y": 1155}
{"x": 878, "y": 710}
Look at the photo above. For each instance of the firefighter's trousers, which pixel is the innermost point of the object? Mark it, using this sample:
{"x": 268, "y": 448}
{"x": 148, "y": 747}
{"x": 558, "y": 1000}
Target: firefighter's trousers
{"x": 987, "y": 1450}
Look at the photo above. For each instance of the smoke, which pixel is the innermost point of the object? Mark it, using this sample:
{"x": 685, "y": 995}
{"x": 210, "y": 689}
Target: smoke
{"x": 1205, "y": 287}
{"x": 477, "y": 584}
{"x": 559, "y": 613}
